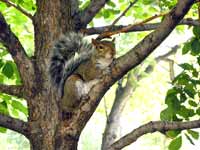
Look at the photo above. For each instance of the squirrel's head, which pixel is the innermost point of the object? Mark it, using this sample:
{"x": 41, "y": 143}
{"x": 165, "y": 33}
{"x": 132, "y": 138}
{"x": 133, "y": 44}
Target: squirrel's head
{"x": 105, "y": 49}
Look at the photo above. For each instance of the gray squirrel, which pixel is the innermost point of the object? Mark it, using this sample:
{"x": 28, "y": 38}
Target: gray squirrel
{"x": 94, "y": 56}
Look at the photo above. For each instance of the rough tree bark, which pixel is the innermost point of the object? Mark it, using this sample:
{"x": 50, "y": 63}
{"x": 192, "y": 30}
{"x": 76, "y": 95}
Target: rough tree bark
{"x": 45, "y": 128}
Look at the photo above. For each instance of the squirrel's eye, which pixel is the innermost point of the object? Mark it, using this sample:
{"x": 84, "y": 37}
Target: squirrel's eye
{"x": 100, "y": 47}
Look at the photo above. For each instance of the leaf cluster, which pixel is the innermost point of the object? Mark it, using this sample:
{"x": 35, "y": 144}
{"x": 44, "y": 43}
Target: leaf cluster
{"x": 182, "y": 99}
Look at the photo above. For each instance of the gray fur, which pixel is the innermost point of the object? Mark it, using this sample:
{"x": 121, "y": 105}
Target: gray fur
{"x": 63, "y": 63}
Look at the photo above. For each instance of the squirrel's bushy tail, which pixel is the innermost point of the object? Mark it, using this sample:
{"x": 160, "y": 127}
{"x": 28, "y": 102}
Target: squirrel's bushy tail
{"x": 63, "y": 61}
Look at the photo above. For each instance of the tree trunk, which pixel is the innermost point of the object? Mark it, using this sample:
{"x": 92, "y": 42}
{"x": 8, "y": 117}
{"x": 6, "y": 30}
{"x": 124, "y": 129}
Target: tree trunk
{"x": 48, "y": 131}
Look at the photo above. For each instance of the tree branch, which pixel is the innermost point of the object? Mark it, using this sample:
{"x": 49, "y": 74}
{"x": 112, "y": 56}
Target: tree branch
{"x": 163, "y": 57}
{"x": 15, "y": 90}
{"x": 13, "y": 45}
{"x": 139, "y": 27}
{"x": 131, "y": 59}
{"x": 122, "y": 96}
{"x": 144, "y": 48}
{"x": 18, "y": 8}
{"x": 161, "y": 126}
{"x": 127, "y": 28}
{"x": 173, "y": 50}
{"x": 89, "y": 13}
{"x": 14, "y": 124}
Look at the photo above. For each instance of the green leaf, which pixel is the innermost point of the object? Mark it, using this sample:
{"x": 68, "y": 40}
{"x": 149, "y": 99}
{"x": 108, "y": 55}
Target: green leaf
{"x": 192, "y": 103}
{"x": 185, "y": 112}
{"x": 106, "y": 14}
{"x": 15, "y": 112}
{"x": 194, "y": 134}
{"x": 1, "y": 63}
{"x": 6, "y": 97}
{"x": 195, "y": 73}
{"x": 183, "y": 97}
{"x": 19, "y": 106}
{"x": 196, "y": 31}
{"x": 181, "y": 79}
{"x": 172, "y": 91}
{"x": 195, "y": 45}
{"x": 8, "y": 70}
{"x": 189, "y": 90}
{"x": 166, "y": 115}
{"x": 175, "y": 118}
{"x": 175, "y": 144}
{"x": 189, "y": 139}
{"x": 4, "y": 108}
{"x": 28, "y": 5}
{"x": 198, "y": 60}
{"x": 173, "y": 133}
{"x": 173, "y": 103}
{"x": 110, "y": 3}
{"x": 195, "y": 82}
{"x": 186, "y": 66}
{"x": 115, "y": 12}
{"x": 3, "y": 130}
{"x": 2, "y": 78}
{"x": 186, "y": 48}
{"x": 85, "y": 5}
{"x": 16, "y": 73}
{"x": 3, "y": 53}
{"x": 147, "y": 2}
{"x": 169, "y": 100}
{"x": 198, "y": 111}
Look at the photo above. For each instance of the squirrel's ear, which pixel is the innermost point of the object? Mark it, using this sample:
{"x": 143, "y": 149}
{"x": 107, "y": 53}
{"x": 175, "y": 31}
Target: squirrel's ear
{"x": 94, "y": 41}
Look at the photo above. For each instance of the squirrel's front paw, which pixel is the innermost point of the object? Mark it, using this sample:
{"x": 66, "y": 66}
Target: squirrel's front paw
{"x": 85, "y": 97}
{"x": 107, "y": 71}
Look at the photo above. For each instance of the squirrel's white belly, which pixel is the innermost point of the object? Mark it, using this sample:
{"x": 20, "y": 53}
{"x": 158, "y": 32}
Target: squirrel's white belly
{"x": 103, "y": 63}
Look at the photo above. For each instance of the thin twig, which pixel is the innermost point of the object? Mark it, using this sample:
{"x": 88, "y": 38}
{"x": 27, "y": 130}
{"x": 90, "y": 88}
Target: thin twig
{"x": 173, "y": 50}
{"x": 144, "y": 27}
{"x": 127, "y": 28}
{"x": 18, "y": 8}
{"x": 171, "y": 69}
{"x": 118, "y": 18}
{"x": 125, "y": 11}
{"x": 106, "y": 109}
